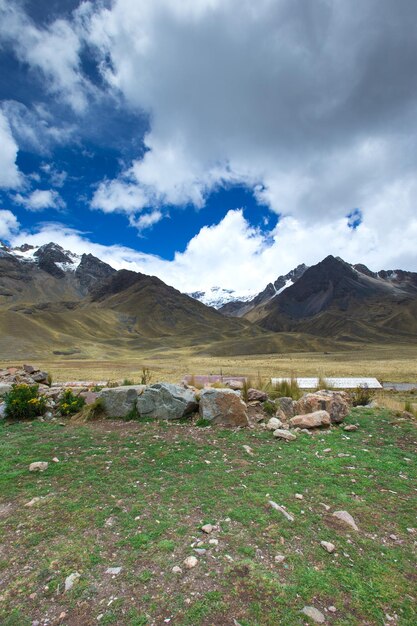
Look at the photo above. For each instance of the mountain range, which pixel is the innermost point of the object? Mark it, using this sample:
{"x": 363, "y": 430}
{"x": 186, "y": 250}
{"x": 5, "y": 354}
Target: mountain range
{"x": 53, "y": 301}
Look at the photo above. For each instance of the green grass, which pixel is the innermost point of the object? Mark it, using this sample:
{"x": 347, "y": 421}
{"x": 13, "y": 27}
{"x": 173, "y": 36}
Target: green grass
{"x": 135, "y": 495}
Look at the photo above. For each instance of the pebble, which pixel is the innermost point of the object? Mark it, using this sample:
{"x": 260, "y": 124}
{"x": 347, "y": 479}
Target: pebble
{"x": 329, "y": 547}
{"x": 38, "y": 466}
{"x": 214, "y": 542}
{"x": 350, "y": 428}
{"x": 113, "y": 570}
{"x": 71, "y": 580}
{"x": 316, "y": 615}
{"x": 279, "y": 558}
{"x": 200, "y": 551}
{"x": 332, "y": 609}
{"x": 281, "y": 509}
{"x": 190, "y": 562}
{"x": 393, "y": 537}
{"x": 207, "y": 528}
{"x": 176, "y": 570}
{"x": 346, "y": 517}
{"x": 32, "y": 502}
{"x": 299, "y": 496}
{"x": 55, "y": 459}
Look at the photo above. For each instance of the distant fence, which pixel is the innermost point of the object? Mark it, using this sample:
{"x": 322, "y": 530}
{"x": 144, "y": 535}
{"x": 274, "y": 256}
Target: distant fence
{"x": 336, "y": 383}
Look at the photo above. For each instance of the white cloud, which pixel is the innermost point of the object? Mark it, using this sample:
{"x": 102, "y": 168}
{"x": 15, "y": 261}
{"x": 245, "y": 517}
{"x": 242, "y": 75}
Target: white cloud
{"x": 53, "y": 51}
{"x": 234, "y": 255}
{"x": 10, "y": 177}
{"x": 8, "y": 224}
{"x": 41, "y": 199}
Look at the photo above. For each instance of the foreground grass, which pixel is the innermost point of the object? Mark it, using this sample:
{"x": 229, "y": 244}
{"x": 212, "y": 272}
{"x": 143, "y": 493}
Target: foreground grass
{"x": 134, "y": 495}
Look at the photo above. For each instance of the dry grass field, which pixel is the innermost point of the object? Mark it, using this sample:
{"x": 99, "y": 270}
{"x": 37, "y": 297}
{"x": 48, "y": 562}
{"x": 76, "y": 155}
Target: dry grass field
{"x": 387, "y": 363}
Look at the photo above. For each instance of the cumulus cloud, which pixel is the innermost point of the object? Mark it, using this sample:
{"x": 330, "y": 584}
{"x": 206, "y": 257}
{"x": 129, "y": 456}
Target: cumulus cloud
{"x": 10, "y": 177}
{"x": 234, "y": 255}
{"x": 8, "y": 224}
{"x": 53, "y": 51}
{"x": 41, "y": 199}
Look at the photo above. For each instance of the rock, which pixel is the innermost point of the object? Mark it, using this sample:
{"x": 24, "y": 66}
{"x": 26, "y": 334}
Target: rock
{"x": 280, "y": 558}
{"x": 346, "y": 517}
{"x": 299, "y": 496}
{"x": 224, "y": 407}
{"x": 29, "y": 369}
{"x": 2, "y": 410}
{"x": 4, "y": 388}
{"x": 274, "y": 423}
{"x": 332, "y": 609}
{"x": 190, "y": 562}
{"x": 207, "y": 528}
{"x": 281, "y": 509}
{"x": 89, "y": 396}
{"x": 350, "y": 428}
{"x": 248, "y": 449}
{"x": 336, "y": 403}
{"x": 329, "y": 547}
{"x": 38, "y": 466}
{"x": 214, "y": 542}
{"x": 286, "y": 405}
{"x": 236, "y": 385}
{"x": 71, "y": 580}
{"x": 311, "y": 420}
{"x": 40, "y": 377}
{"x": 166, "y": 401}
{"x": 256, "y": 394}
{"x": 176, "y": 570}
{"x": 200, "y": 551}
{"x": 314, "y": 614}
{"x": 281, "y": 433}
{"x": 32, "y": 502}
{"x": 113, "y": 570}
{"x": 120, "y": 401}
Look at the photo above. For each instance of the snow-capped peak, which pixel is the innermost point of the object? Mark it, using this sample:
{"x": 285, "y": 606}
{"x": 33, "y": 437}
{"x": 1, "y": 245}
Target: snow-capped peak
{"x": 218, "y": 296}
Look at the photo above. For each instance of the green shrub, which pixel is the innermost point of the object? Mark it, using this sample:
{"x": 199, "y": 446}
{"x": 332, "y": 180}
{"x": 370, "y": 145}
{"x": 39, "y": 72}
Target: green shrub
{"x": 24, "y": 402}
{"x": 269, "y": 407}
{"x": 362, "y": 396}
{"x": 69, "y": 403}
{"x": 128, "y": 382}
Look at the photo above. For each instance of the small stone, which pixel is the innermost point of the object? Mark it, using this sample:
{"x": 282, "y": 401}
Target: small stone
{"x": 281, "y": 433}
{"x": 113, "y": 570}
{"x": 71, "y": 580}
{"x": 55, "y": 459}
{"x": 207, "y": 528}
{"x": 273, "y": 423}
{"x": 214, "y": 542}
{"x": 316, "y": 615}
{"x": 176, "y": 570}
{"x": 393, "y": 537}
{"x": 190, "y": 562}
{"x": 62, "y": 615}
{"x": 346, "y": 517}
{"x": 329, "y": 547}
{"x": 332, "y": 609}
{"x": 411, "y": 531}
{"x": 32, "y": 502}
{"x": 279, "y": 558}
{"x": 299, "y": 496}
{"x": 200, "y": 551}
{"x": 38, "y": 466}
{"x": 281, "y": 509}
{"x": 350, "y": 428}
{"x": 248, "y": 449}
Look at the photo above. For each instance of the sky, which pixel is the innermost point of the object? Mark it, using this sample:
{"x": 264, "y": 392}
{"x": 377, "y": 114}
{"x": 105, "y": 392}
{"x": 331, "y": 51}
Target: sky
{"x": 211, "y": 142}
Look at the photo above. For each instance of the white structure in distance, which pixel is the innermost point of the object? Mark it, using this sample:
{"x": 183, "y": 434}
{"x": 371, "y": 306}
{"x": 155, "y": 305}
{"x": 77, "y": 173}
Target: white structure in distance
{"x": 336, "y": 383}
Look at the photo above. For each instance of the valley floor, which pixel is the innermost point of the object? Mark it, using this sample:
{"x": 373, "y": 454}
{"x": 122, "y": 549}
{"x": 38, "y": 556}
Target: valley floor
{"x": 396, "y": 362}
{"x": 135, "y": 495}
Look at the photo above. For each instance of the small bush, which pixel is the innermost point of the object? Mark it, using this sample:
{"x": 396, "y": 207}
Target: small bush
{"x": 128, "y": 382}
{"x": 269, "y": 407}
{"x": 91, "y": 412}
{"x": 24, "y": 402}
{"x": 362, "y": 396}
{"x": 203, "y": 423}
{"x": 69, "y": 403}
{"x": 322, "y": 384}
{"x": 146, "y": 376}
{"x": 288, "y": 389}
{"x": 112, "y": 383}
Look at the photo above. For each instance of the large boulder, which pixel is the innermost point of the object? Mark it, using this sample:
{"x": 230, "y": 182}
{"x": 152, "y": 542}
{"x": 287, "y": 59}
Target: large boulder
{"x": 311, "y": 420}
{"x": 336, "y": 403}
{"x": 165, "y": 401}
{"x": 224, "y": 407}
{"x": 286, "y": 405}
{"x": 120, "y": 401}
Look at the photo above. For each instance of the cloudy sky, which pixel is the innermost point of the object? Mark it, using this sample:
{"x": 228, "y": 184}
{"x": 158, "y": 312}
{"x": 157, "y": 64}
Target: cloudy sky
{"x": 211, "y": 142}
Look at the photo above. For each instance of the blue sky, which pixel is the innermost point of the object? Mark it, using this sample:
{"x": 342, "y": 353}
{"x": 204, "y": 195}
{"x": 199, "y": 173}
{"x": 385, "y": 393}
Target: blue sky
{"x": 210, "y": 142}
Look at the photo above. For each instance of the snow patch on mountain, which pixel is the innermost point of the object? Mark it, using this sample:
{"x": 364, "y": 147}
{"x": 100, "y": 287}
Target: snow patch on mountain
{"x": 216, "y": 297}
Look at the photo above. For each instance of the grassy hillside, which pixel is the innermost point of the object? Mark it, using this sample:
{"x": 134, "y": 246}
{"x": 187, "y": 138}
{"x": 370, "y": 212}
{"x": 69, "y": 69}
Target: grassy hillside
{"x": 166, "y": 481}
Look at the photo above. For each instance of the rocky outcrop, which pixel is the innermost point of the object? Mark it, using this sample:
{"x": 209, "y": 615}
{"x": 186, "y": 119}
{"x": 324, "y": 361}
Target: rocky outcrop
{"x": 120, "y": 401}
{"x": 224, "y": 407}
{"x": 336, "y": 403}
{"x": 28, "y": 374}
{"x": 165, "y": 401}
{"x": 91, "y": 271}
{"x": 311, "y": 420}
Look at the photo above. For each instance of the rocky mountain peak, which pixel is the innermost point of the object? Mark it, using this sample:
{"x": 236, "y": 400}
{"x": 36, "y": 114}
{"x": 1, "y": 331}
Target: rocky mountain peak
{"x": 91, "y": 270}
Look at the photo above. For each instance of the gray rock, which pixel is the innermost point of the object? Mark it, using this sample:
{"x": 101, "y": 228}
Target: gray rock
{"x": 346, "y": 517}
{"x": 120, "y": 401}
{"x": 40, "y": 377}
{"x": 281, "y": 433}
{"x": 311, "y": 420}
{"x": 282, "y": 510}
{"x": 274, "y": 423}
{"x": 329, "y": 547}
{"x": 336, "y": 403}
{"x": 286, "y": 405}
{"x": 2, "y": 410}
{"x": 71, "y": 580}
{"x": 314, "y": 614}
{"x": 4, "y": 388}
{"x": 38, "y": 466}
{"x": 350, "y": 428}
{"x": 257, "y": 394}
{"x": 224, "y": 407}
{"x": 165, "y": 401}
{"x": 113, "y": 570}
